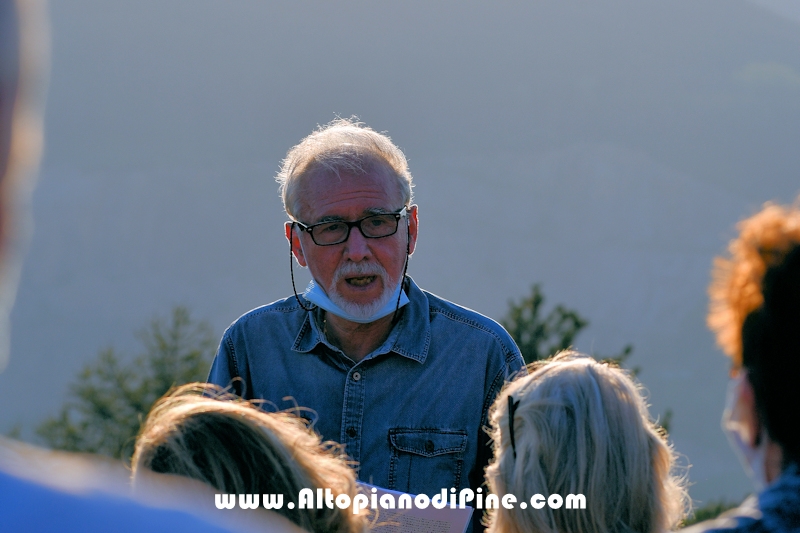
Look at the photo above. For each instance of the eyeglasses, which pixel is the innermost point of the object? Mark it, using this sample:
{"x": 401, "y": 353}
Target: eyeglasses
{"x": 371, "y": 227}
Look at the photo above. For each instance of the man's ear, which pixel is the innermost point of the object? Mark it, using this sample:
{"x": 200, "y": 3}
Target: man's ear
{"x": 293, "y": 236}
{"x": 413, "y": 227}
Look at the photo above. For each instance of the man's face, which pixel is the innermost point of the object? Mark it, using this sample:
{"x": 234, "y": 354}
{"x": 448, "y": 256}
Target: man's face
{"x": 360, "y": 273}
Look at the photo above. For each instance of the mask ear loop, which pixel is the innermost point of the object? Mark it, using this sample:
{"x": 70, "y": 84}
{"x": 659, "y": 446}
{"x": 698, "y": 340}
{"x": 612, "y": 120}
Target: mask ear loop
{"x": 291, "y": 269}
{"x": 405, "y": 269}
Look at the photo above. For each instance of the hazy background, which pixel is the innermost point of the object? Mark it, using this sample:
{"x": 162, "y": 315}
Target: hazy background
{"x": 604, "y": 149}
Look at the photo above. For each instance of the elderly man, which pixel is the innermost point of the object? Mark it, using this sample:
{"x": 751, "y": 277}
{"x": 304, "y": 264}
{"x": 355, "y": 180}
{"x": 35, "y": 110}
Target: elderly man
{"x": 755, "y": 312}
{"x": 398, "y": 375}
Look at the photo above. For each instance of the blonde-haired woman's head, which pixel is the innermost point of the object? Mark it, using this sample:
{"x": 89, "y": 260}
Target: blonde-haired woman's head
{"x": 237, "y": 448}
{"x": 581, "y": 427}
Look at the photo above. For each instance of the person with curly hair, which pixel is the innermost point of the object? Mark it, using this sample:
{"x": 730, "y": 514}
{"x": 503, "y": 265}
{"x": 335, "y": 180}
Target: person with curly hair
{"x": 755, "y": 313}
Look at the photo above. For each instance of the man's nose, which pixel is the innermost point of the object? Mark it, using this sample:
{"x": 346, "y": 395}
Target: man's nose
{"x": 357, "y": 246}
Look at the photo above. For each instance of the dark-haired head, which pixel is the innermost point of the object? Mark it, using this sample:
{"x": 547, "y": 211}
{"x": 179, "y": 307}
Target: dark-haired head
{"x": 755, "y": 313}
{"x": 771, "y": 354}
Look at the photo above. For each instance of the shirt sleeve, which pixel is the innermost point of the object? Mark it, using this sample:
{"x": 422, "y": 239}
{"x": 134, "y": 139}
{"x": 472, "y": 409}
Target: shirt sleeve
{"x": 512, "y": 367}
{"x": 224, "y": 370}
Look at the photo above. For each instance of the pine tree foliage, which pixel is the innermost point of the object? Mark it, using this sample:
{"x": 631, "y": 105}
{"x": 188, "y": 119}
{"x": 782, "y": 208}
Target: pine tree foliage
{"x": 538, "y": 335}
{"x": 110, "y": 398}
{"x": 541, "y": 335}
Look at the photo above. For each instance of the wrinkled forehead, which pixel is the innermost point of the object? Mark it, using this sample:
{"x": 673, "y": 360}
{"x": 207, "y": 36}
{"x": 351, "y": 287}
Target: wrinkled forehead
{"x": 376, "y": 189}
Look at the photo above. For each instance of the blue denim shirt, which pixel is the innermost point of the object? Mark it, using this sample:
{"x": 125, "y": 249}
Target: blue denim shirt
{"x": 411, "y": 413}
{"x": 775, "y": 510}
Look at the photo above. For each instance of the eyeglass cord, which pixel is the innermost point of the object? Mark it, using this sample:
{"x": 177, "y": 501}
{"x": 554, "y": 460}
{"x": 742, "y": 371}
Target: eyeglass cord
{"x": 291, "y": 269}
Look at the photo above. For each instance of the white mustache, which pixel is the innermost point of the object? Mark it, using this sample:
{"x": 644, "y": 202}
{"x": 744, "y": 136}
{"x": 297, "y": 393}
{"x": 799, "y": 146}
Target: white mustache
{"x": 351, "y": 270}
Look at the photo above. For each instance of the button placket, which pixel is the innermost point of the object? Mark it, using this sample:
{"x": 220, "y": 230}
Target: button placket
{"x": 353, "y": 413}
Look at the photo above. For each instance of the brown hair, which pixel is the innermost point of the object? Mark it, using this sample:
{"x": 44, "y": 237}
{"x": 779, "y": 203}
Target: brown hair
{"x": 764, "y": 240}
{"x": 755, "y": 313}
{"x": 237, "y": 448}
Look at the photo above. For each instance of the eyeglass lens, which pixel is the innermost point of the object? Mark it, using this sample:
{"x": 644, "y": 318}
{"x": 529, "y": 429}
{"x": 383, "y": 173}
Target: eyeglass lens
{"x": 372, "y": 227}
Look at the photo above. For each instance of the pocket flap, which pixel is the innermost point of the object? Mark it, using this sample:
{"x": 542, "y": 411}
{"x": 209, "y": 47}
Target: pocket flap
{"x": 428, "y": 442}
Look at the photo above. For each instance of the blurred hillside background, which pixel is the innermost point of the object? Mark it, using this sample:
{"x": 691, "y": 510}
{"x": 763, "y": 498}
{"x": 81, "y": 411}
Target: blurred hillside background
{"x": 602, "y": 149}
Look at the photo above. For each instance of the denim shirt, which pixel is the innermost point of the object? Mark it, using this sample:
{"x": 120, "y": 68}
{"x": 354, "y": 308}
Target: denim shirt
{"x": 775, "y": 510}
{"x": 411, "y": 413}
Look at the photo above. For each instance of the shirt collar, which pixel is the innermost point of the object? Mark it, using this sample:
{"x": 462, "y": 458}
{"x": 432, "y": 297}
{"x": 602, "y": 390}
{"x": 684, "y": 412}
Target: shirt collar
{"x": 410, "y": 337}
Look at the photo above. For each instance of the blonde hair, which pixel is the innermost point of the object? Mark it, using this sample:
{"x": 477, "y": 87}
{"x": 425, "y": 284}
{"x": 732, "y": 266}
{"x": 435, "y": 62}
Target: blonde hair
{"x": 341, "y": 146}
{"x": 764, "y": 241}
{"x": 582, "y": 427}
{"x": 237, "y": 448}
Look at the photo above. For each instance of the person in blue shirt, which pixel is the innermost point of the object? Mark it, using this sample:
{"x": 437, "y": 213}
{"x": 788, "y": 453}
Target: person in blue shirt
{"x": 404, "y": 379}
{"x": 755, "y": 313}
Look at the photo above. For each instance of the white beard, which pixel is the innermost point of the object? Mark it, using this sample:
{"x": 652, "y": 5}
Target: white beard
{"x": 358, "y": 269}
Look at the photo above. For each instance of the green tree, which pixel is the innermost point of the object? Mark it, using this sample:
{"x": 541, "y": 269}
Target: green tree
{"x": 539, "y": 336}
{"x": 110, "y": 398}
{"x": 709, "y": 511}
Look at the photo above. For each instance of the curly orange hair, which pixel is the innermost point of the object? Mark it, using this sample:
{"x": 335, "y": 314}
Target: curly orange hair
{"x": 735, "y": 291}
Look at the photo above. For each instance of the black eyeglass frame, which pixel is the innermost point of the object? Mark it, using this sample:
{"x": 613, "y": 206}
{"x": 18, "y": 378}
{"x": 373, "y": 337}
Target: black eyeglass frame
{"x": 350, "y": 225}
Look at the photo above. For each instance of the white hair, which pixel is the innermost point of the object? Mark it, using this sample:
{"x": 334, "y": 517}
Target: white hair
{"x": 582, "y": 427}
{"x": 341, "y": 146}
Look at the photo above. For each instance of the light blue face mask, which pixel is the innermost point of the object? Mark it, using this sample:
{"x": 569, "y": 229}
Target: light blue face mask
{"x": 316, "y": 295}
{"x": 753, "y": 459}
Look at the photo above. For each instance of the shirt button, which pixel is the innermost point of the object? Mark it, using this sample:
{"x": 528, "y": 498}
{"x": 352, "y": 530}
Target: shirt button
{"x": 429, "y": 446}
{"x": 356, "y": 376}
{"x": 351, "y": 432}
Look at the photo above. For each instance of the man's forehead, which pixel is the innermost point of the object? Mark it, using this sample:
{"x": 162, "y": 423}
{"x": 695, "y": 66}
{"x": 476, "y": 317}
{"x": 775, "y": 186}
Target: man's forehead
{"x": 364, "y": 213}
{"x": 346, "y": 195}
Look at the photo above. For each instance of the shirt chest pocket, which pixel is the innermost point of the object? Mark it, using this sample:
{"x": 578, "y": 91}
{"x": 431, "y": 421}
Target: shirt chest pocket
{"x": 425, "y": 461}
